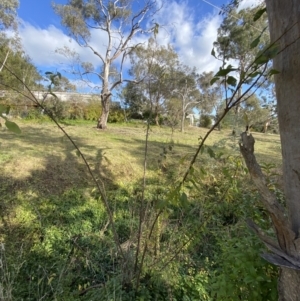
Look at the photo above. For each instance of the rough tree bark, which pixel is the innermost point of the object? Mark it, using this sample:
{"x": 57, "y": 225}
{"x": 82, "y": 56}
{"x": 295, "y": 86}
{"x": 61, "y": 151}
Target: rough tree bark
{"x": 105, "y": 103}
{"x": 284, "y": 18}
{"x": 284, "y": 24}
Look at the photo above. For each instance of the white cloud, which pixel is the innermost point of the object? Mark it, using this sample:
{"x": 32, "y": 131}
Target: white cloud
{"x": 41, "y": 45}
{"x": 249, "y": 4}
{"x": 192, "y": 38}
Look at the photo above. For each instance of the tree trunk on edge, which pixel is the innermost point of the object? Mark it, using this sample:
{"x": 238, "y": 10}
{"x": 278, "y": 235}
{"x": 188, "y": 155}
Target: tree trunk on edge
{"x": 284, "y": 18}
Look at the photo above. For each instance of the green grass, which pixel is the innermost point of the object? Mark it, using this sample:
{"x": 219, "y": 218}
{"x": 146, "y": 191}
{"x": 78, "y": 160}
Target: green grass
{"x": 53, "y": 224}
{"x": 117, "y": 154}
{"x": 42, "y": 160}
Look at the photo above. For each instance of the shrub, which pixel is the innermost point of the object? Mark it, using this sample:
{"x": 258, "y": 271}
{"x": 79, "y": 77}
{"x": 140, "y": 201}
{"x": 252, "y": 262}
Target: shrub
{"x": 116, "y": 115}
{"x": 92, "y": 110}
{"x": 76, "y": 110}
{"x": 57, "y": 108}
{"x": 205, "y": 121}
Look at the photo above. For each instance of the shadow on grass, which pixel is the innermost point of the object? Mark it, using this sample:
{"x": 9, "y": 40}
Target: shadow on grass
{"x": 55, "y": 229}
{"x": 50, "y": 223}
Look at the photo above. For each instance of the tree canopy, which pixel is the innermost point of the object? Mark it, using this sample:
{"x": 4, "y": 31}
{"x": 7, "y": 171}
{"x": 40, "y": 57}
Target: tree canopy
{"x": 8, "y": 14}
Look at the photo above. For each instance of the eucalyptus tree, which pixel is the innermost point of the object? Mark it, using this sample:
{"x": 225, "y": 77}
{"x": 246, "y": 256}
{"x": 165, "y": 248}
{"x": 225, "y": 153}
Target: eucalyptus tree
{"x": 134, "y": 100}
{"x": 119, "y": 22}
{"x": 21, "y": 65}
{"x": 152, "y": 66}
{"x": 8, "y": 20}
{"x": 253, "y": 112}
{"x": 235, "y": 37}
{"x": 8, "y": 14}
{"x": 63, "y": 84}
{"x": 184, "y": 87}
{"x": 211, "y": 95}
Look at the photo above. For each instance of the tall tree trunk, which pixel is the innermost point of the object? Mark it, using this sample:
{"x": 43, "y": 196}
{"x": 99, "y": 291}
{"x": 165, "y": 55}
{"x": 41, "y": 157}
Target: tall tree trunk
{"x": 105, "y": 102}
{"x": 266, "y": 125}
{"x": 157, "y": 112}
{"x": 182, "y": 120}
{"x": 105, "y": 96}
{"x": 284, "y": 18}
{"x": 157, "y": 119}
{"x": 289, "y": 285}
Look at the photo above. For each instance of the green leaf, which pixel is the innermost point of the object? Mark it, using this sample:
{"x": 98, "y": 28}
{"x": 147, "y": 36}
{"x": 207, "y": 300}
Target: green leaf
{"x": 48, "y": 73}
{"x": 211, "y": 152}
{"x": 59, "y": 75}
{"x": 214, "y": 80}
{"x": 259, "y": 13}
{"x": 273, "y": 71}
{"x": 224, "y": 72}
{"x": 261, "y": 59}
{"x": 231, "y": 81}
{"x": 255, "y": 42}
{"x": 254, "y": 74}
{"x": 183, "y": 198}
{"x": 12, "y": 127}
{"x": 213, "y": 53}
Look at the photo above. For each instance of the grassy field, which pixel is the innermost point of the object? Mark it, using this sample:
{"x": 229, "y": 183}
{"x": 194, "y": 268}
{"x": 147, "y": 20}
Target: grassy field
{"x": 44, "y": 157}
{"x": 55, "y": 231}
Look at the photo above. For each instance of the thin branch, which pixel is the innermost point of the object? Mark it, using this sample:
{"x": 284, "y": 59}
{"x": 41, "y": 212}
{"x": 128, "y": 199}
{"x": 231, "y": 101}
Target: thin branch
{"x": 226, "y": 110}
{"x": 100, "y": 186}
{"x": 6, "y": 57}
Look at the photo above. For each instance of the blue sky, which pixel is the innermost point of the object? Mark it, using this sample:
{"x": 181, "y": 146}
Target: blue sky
{"x": 190, "y": 26}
